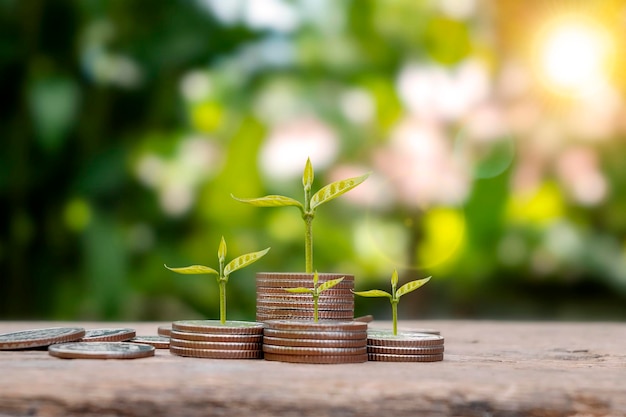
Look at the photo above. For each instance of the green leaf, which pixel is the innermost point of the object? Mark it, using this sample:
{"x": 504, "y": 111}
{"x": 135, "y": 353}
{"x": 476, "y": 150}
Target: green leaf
{"x": 411, "y": 286}
{"x": 193, "y": 269}
{"x": 308, "y": 175}
{"x": 270, "y": 201}
{"x": 299, "y": 290}
{"x": 329, "y": 284}
{"x": 335, "y": 189}
{"x": 244, "y": 260}
{"x": 373, "y": 293}
{"x": 221, "y": 252}
{"x": 394, "y": 278}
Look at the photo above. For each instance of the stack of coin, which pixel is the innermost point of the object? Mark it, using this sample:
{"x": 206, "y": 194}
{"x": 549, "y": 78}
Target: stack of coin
{"x": 324, "y": 342}
{"x": 274, "y": 303}
{"x": 406, "y": 346}
{"x": 211, "y": 339}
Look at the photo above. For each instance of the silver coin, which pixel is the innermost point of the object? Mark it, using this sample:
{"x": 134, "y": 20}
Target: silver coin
{"x": 39, "y": 337}
{"x": 101, "y": 350}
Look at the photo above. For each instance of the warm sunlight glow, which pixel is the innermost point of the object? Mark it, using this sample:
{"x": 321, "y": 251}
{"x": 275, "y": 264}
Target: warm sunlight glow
{"x": 573, "y": 55}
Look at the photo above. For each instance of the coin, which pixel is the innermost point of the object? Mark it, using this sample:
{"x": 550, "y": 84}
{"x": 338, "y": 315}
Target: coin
{"x": 207, "y": 337}
{"x": 285, "y": 296}
{"x": 159, "y": 342}
{"x": 319, "y": 343}
{"x": 216, "y": 354}
{"x": 101, "y": 350}
{"x": 308, "y": 311}
{"x": 278, "y": 276}
{"x": 164, "y": 331}
{"x": 304, "y": 316}
{"x": 297, "y": 304}
{"x": 320, "y": 359}
{"x": 280, "y": 292}
{"x": 316, "y": 335}
{"x": 216, "y": 327}
{"x": 311, "y": 351}
{"x": 40, "y": 337}
{"x": 396, "y": 350}
{"x": 387, "y": 357}
{"x": 329, "y": 325}
{"x": 195, "y": 344}
{"x": 292, "y": 283}
{"x": 108, "y": 335}
{"x": 406, "y": 339}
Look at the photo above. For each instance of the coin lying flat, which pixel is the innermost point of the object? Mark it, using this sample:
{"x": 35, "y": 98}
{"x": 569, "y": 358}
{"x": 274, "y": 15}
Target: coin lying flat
{"x": 304, "y": 304}
{"x": 387, "y": 357}
{"x": 272, "y": 292}
{"x": 407, "y": 339}
{"x": 316, "y": 335}
{"x": 108, "y": 335}
{"x": 329, "y": 325}
{"x": 33, "y": 338}
{"x": 164, "y": 331}
{"x": 320, "y": 343}
{"x": 101, "y": 350}
{"x": 216, "y": 353}
{"x": 278, "y": 276}
{"x": 302, "y": 315}
{"x": 208, "y": 337}
{"x": 292, "y": 283}
{"x": 159, "y": 342}
{"x": 194, "y": 344}
{"x": 319, "y": 359}
{"x": 215, "y": 326}
{"x": 396, "y": 350}
{"x": 313, "y": 351}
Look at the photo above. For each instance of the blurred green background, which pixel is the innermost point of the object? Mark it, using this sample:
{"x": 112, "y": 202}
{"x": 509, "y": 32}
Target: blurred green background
{"x": 495, "y": 132}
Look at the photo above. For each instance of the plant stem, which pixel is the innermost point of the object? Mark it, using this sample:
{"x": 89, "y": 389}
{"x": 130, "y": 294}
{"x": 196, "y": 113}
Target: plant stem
{"x": 315, "y": 307}
{"x": 308, "y": 243}
{"x": 222, "y": 284}
{"x": 394, "y": 316}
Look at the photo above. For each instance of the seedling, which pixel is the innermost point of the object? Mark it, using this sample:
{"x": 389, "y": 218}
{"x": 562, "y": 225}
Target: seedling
{"x": 311, "y": 203}
{"x": 395, "y": 295}
{"x": 315, "y": 292}
{"x": 224, "y": 271}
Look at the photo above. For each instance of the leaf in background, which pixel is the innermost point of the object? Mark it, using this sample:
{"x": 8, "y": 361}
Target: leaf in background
{"x": 308, "y": 175}
{"x": 329, "y": 284}
{"x": 244, "y": 260}
{"x": 193, "y": 269}
{"x": 411, "y": 286}
{"x": 270, "y": 201}
{"x": 373, "y": 293}
{"x": 336, "y": 189}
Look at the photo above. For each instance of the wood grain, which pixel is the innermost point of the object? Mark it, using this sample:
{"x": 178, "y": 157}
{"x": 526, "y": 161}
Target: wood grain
{"x": 490, "y": 369}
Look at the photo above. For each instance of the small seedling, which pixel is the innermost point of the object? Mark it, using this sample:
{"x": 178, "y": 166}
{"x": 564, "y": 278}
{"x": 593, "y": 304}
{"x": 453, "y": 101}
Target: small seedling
{"x": 224, "y": 271}
{"x": 311, "y": 203}
{"x": 395, "y": 295}
{"x": 315, "y": 292}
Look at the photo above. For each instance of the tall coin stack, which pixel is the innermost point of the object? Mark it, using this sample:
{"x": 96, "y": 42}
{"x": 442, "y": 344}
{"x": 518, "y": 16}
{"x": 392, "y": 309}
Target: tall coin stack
{"x": 407, "y": 346}
{"x": 324, "y": 342}
{"x": 211, "y": 339}
{"x": 274, "y": 303}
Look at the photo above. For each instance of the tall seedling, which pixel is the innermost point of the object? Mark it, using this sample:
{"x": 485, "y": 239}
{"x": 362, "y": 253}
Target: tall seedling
{"x": 311, "y": 203}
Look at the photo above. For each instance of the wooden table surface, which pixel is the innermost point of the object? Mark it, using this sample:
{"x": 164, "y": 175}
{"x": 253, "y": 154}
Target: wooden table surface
{"x": 490, "y": 369}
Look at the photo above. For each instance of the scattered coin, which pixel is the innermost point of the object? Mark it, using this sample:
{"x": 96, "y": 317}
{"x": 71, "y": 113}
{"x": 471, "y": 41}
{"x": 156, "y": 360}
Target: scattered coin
{"x": 320, "y": 359}
{"x": 207, "y": 337}
{"x": 108, "y": 335}
{"x": 329, "y": 325}
{"x": 195, "y": 344}
{"x": 33, "y": 338}
{"x": 159, "y": 342}
{"x": 396, "y": 350}
{"x": 101, "y": 350}
{"x": 313, "y": 351}
{"x": 216, "y": 354}
{"x": 164, "y": 331}
{"x": 335, "y": 343}
{"x": 365, "y": 319}
{"x": 215, "y": 326}
{"x": 316, "y": 335}
{"x": 383, "y": 357}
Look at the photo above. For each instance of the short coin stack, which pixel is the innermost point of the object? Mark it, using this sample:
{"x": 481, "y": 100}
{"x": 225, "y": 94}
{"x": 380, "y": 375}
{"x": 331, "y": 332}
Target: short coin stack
{"x": 324, "y": 342}
{"x": 274, "y": 303}
{"x": 406, "y": 346}
{"x": 211, "y": 339}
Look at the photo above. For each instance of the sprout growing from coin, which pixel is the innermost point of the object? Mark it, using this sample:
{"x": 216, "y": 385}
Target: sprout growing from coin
{"x": 315, "y": 292}
{"x": 311, "y": 203}
{"x": 224, "y": 271}
{"x": 395, "y": 295}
